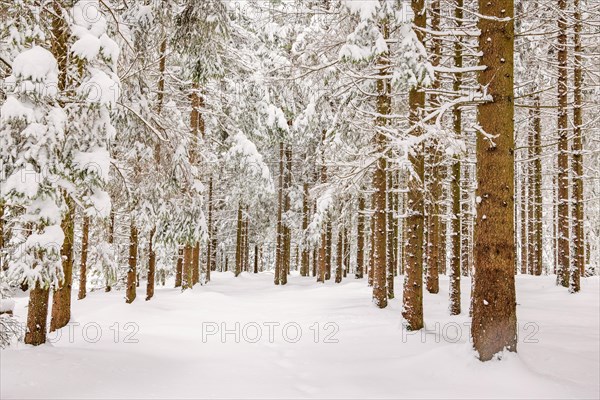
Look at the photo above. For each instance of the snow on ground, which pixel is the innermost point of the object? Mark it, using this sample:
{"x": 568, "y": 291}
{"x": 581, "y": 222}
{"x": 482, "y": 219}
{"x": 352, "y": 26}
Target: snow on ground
{"x": 558, "y": 357}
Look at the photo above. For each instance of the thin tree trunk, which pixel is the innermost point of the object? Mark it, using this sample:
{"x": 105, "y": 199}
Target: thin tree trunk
{"x": 413, "y": 279}
{"x": 494, "y": 326}
{"x": 151, "y": 265}
{"x": 280, "y": 233}
{"x": 360, "y": 247}
{"x": 339, "y": 260}
{"x": 523, "y": 220}
{"x": 209, "y": 249}
{"x": 305, "y": 217}
{"x": 238, "y": 246}
{"x": 455, "y": 272}
{"x": 390, "y": 235}
{"x": 563, "y": 148}
{"x": 111, "y": 241}
{"x": 379, "y": 196}
{"x": 256, "y": 259}
{"x": 179, "y": 268}
{"x": 578, "y": 262}
{"x": 132, "y": 271}
{"x": 435, "y": 182}
{"x": 84, "y": 252}
{"x": 537, "y": 187}
{"x": 287, "y": 232}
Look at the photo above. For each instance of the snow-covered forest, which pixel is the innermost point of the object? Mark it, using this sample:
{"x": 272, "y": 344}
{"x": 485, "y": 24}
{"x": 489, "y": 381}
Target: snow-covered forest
{"x": 305, "y": 198}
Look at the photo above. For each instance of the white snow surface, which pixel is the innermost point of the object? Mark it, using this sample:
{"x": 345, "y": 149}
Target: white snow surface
{"x": 558, "y": 356}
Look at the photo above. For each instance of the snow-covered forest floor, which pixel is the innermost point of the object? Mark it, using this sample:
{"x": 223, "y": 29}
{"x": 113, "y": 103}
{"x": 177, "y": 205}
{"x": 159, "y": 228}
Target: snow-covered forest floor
{"x": 168, "y": 351}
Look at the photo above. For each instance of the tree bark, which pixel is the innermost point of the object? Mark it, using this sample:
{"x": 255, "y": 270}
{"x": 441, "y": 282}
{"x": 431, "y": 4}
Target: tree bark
{"x": 578, "y": 262}
{"x": 305, "y": 217}
{"x": 37, "y": 316}
{"x": 339, "y": 260}
{"x": 151, "y": 265}
{"x": 84, "y": 253}
{"x": 360, "y": 247}
{"x": 61, "y": 300}
{"x": 413, "y": 279}
{"x": 537, "y": 187}
{"x": 238, "y": 246}
{"x": 563, "y": 264}
{"x": 132, "y": 271}
{"x": 280, "y": 233}
{"x": 494, "y": 326}
{"x": 179, "y": 268}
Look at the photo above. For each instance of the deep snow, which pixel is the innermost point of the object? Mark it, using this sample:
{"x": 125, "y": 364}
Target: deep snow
{"x": 559, "y": 345}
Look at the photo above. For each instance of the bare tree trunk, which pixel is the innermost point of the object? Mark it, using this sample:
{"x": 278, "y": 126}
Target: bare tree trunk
{"x": 151, "y": 265}
{"x": 256, "y": 259}
{"x": 523, "y": 220}
{"x": 188, "y": 265}
{"x": 61, "y": 300}
{"x": 287, "y": 233}
{"x": 360, "y": 247}
{"x": 413, "y": 279}
{"x": 531, "y": 206}
{"x": 132, "y": 271}
{"x": 84, "y": 252}
{"x": 494, "y": 325}
{"x": 563, "y": 149}
{"x": 578, "y": 262}
{"x": 390, "y": 234}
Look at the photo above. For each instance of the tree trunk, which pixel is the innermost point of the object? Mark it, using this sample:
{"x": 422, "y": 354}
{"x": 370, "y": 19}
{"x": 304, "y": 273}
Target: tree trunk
{"x": 151, "y": 265}
{"x": 287, "y": 233}
{"x": 578, "y": 262}
{"x": 390, "y": 234}
{"x": 523, "y": 212}
{"x": 37, "y": 316}
{"x": 238, "y": 246}
{"x": 280, "y": 233}
{"x": 434, "y": 233}
{"x": 111, "y": 241}
{"x": 563, "y": 264}
{"x": 84, "y": 252}
{"x": 256, "y": 259}
{"x": 132, "y": 271}
{"x": 209, "y": 249}
{"x": 61, "y": 300}
{"x": 379, "y": 196}
{"x": 305, "y": 217}
{"x": 188, "y": 266}
{"x": 455, "y": 307}
{"x": 339, "y": 260}
{"x": 413, "y": 279}
{"x": 360, "y": 246}
{"x": 179, "y": 268}
{"x": 537, "y": 187}
{"x": 494, "y": 326}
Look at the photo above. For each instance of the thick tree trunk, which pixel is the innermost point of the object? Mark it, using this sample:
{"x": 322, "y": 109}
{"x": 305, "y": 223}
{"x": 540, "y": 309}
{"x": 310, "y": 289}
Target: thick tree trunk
{"x": 85, "y": 230}
{"x": 413, "y": 279}
{"x": 61, "y": 300}
{"x": 37, "y": 316}
{"x": 563, "y": 264}
{"x": 578, "y": 262}
{"x": 130, "y": 294}
{"x": 494, "y": 326}
{"x": 360, "y": 246}
{"x": 151, "y": 265}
